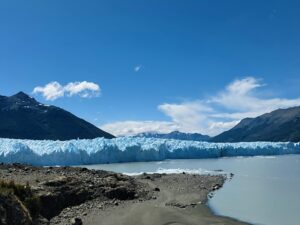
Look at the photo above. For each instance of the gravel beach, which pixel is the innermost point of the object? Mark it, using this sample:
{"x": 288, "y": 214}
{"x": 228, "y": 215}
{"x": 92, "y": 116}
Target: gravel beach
{"x": 179, "y": 199}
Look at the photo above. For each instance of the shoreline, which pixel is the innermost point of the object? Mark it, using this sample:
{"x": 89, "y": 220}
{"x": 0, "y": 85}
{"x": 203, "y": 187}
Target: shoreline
{"x": 179, "y": 201}
{"x": 78, "y": 196}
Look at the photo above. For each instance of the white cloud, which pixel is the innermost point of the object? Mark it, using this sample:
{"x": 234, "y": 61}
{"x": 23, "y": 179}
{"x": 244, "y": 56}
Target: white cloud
{"x": 55, "y": 90}
{"x": 137, "y": 68}
{"x": 215, "y": 114}
{"x": 243, "y": 86}
{"x": 221, "y": 126}
{"x": 50, "y": 91}
{"x": 84, "y": 89}
{"x": 123, "y": 128}
{"x": 242, "y": 100}
{"x": 188, "y": 116}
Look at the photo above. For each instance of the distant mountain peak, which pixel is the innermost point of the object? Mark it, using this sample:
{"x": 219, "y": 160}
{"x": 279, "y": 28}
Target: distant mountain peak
{"x": 21, "y": 95}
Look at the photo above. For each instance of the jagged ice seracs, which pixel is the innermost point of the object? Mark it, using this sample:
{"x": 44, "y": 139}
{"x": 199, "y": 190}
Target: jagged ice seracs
{"x": 130, "y": 149}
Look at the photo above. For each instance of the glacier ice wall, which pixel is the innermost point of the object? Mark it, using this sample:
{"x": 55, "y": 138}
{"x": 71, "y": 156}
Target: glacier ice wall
{"x": 130, "y": 149}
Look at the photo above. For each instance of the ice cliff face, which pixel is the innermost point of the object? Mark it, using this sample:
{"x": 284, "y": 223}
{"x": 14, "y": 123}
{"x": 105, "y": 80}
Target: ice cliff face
{"x": 130, "y": 149}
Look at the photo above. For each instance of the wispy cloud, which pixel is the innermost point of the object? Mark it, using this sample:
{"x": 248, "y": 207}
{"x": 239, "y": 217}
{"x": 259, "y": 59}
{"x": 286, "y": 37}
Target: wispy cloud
{"x": 55, "y": 90}
{"x": 137, "y": 68}
{"x": 215, "y": 114}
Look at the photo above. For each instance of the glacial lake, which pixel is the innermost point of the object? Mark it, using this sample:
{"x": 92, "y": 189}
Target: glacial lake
{"x": 263, "y": 191}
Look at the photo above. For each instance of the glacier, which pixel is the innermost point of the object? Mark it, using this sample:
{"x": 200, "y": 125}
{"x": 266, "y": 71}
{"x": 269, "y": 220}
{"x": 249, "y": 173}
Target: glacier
{"x": 130, "y": 149}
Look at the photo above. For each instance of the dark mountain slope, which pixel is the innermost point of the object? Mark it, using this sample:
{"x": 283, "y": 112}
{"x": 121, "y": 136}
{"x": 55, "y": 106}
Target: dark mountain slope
{"x": 279, "y": 125}
{"x": 23, "y": 117}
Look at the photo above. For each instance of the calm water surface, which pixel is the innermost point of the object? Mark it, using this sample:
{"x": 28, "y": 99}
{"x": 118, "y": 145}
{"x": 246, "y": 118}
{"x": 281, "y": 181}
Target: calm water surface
{"x": 264, "y": 190}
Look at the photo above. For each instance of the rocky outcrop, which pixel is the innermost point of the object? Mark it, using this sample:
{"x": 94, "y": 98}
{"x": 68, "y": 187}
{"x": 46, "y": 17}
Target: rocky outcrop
{"x": 12, "y": 211}
{"x": 59, "y": 188}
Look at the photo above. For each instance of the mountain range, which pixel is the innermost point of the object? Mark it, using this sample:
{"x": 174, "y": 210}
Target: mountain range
{"x": 176, "y": 135}
{"x": 282, "y": 125}
{"x": 22, "y": 117}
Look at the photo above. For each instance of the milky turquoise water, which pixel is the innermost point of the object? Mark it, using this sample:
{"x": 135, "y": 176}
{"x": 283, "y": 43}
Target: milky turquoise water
{"x": 264, "y": 190}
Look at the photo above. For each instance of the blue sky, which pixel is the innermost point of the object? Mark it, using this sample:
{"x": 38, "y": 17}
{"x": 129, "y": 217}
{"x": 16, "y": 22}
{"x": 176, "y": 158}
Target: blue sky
{"x": 159, "y": 65}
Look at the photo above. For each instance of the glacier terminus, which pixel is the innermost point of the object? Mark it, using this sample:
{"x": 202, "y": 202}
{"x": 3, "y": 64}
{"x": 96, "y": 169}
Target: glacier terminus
{"x": 130, "y": 149}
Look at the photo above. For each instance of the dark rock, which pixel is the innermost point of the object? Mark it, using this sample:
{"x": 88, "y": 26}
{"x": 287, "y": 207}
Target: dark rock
{"x": 64, "y": 193}
{"x": 176, "y": 204}
{"x": 12, "y": 212}
{"x": 41, "y": 221}
{"x": 83, "y": 169}
{"x": 76, "y": 221}
{"x": 121, "y": 193}
{"x": 216, "y": 187}
{"x": 156, "y": 189}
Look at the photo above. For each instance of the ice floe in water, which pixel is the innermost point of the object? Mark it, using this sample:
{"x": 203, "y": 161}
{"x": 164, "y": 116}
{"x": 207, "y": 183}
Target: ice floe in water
{"x": 130, "y": 149}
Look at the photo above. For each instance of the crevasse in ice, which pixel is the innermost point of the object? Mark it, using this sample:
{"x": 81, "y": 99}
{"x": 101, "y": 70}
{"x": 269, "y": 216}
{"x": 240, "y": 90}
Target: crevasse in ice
{"x": 130, "y": 149}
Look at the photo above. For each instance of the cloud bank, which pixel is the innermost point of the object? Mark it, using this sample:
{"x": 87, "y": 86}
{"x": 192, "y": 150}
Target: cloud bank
{"x": 213, "y": 115}
{"x": 55, "y": 90}
{"x": 136, "y": 127}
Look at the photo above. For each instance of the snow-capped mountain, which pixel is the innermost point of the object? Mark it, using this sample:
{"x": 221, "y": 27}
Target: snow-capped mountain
{"x": 23, "y": 117}
{"x": 177, "y": 136}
